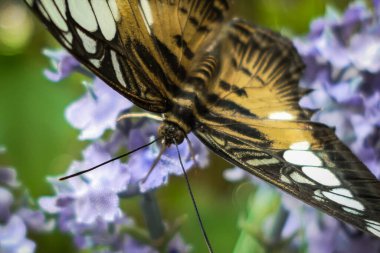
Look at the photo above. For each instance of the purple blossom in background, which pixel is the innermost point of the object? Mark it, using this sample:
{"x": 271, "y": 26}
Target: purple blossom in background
{"x": 16, "y": 218}
{"x": 88, "y": 206}
{"x": 342, "y": 57}
{"x": 99, "y": 107}
{"x": 63, "y": 63}
{"x": 13, "y": 237}
{"x": 96, "y": 111}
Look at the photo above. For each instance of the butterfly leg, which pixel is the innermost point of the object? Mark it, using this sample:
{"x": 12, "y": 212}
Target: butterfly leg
{"x": 192, "y": 152}
{"x": 158, "y": 158}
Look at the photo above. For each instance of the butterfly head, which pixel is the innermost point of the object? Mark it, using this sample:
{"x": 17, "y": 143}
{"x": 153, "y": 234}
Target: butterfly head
{"x": 171, "y": 133}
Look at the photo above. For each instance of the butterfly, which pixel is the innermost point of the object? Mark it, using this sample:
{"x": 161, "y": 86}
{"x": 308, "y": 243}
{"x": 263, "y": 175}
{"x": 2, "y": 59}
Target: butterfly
{"x": 233, "y": 84}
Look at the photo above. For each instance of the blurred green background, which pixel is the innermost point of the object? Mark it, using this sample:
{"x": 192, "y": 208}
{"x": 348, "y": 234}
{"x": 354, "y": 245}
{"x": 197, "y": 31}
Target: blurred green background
{"x": 41, "y": 143}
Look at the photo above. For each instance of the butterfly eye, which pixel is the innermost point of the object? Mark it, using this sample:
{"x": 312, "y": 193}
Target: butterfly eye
{"x": 171, "y": 133}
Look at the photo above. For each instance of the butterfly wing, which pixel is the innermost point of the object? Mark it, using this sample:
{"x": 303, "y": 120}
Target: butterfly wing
{"x": 141, "y": 48}
{"x": 248, "y": 113}
{"x": 181, "y": 29}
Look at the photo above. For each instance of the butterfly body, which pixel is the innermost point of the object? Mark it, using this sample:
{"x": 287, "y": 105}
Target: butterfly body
{"x": 233, "y": 84}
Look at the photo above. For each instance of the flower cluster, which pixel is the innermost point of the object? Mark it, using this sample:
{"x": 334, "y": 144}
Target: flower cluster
{"x": 342, "y": 57}
{"x": 16, "y": 217}
{"x": 88, "y": 206}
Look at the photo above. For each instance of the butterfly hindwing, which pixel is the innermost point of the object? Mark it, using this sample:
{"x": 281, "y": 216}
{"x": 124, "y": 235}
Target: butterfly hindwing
{"x": 249, "y": 114}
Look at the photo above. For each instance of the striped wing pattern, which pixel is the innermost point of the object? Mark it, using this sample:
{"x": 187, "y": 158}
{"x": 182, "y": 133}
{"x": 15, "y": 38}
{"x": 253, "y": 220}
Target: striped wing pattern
{"x": 249, "y": 115}
{"x": 141, "y": 48}
{"x": 182, "y": 29}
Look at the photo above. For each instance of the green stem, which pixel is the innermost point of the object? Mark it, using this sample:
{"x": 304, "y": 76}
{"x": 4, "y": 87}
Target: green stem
{"x": 278, "y": 225}
{"x": 152, "y": 216}
{"x": 260, "y": 206}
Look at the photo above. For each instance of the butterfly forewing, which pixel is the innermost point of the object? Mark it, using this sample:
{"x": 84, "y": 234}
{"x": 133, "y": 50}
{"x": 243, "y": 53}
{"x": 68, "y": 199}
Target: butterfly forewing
{"x": 141, "y": 48}
{"x": 250, "y": 116}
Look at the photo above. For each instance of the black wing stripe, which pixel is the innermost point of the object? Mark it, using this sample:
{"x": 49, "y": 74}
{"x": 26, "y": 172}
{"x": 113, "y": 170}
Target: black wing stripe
{"x": 91, "y": 34}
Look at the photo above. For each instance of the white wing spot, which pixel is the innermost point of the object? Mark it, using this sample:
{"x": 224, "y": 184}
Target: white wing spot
{"x": 297, "y": 177}
{"x": 373, "y": 223}
{"x": 42, "y": 9}
{"x": 55, "y": 15}
{"x": 82, "y": 13}
{"x": 69, "y": 37}
{"x": 65, "y": 42}
{"x": 303, "y": 145}
{"x": 321, "y": 175}
{"x": 374, "y": 231}
{"x": 116, "y": 66}
{"x": 318, "y": 193}
{"x": 302, "y": 158}
{"x": 349, "y": 202}
{"x": 88, "y": 43}
{"x": 319, "y": 199}
{"x": 374, "y": 226}
{"x": 114, "y": 9}
{"x": 285, "y": 179}
{"x": 342, "y": 191}
{"x": 281, "y": 116}
{"x": 351, "y": 211}
{"x": 105, "y": 19}
{"x": 146, "y": 13}
{"x": 96, "y": 63}
{"x": 62, "y": 7}
{"x": 257, "y": 162}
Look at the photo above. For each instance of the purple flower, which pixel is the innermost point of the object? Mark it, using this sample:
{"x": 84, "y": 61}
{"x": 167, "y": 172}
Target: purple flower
{"x": 6, "y": 201}
{"x": 63, "y": 63}
{"x": 341, "y": 54}
{"x": 96, "y": 111}
{"x": 16, "y": 217}
{"x": 176, "y": 245}
{"x": 8, "y": 177}
{"x": 168, "y": 164}
{"x": 331, "y": 236}
{"x": 93, "y": 195}
{"x": 13, "y": 237}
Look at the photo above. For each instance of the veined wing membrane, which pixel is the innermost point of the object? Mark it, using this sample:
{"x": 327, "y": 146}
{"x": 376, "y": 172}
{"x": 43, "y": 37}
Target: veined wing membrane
{"x": 248, "y": 113}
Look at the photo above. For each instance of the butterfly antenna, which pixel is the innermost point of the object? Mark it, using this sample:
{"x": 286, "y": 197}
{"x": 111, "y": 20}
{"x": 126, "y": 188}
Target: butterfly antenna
{"x": 109, "y": 161}
{"x": 193, "y": 200}
{"x": 158, "y": 158}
